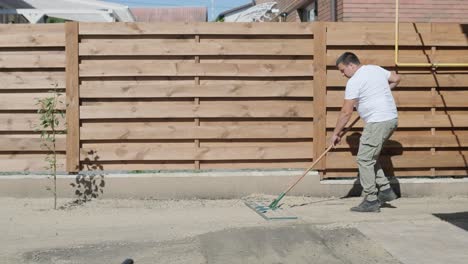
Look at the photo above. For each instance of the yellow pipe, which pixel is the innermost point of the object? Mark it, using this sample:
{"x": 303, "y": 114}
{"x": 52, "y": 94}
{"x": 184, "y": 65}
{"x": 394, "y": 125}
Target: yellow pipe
{"x": 397, "y": 4}
{"x": 433, "y": 65}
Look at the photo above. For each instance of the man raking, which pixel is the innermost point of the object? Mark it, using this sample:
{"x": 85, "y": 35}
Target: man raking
{"x": 369, "y": 90}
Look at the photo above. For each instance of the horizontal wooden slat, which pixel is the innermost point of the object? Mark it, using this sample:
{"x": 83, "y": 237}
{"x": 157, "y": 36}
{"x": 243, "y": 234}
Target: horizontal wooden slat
{"x": 167, "y": 40}
{"x": 259, "y": 81}
{"x": 305, "y": 142}
{"x": 205, "y": 109}
{"x": 195, "y": 29}
{"x": 90, "y": 68}
{"x": 32, "y": 80}
{"x": 386, "y": 57}
{"x": 412, "y": 139}
{"x": 422, "y": 27}
{"x": 139, "y": 130}
{"x": 440, "y": 80}
{"x": 278, "y": 89}
{"x": 32, "y": 61}
{"x": 449, "y": 139}
{"x": 23, "y": 122}
{"x": 335, "y": 78}
{"x": 402, "y": 173}
{"x": 417, "y": 111}
{"x": 148, "y": 47}
{"x": 224, "y": 59}
{"x": 225, "y": 38}
{"x": 414, "y": 120}
{"x": 413, "y": 98}
{"x": 137, "y": 165}
{"x": 29, "y": 143}
{"x": 27, "y": 101}
{"x": 204, "y": 165}
{"x": 408, "y": 159}
{"x": 439, "y": 99}
{"x": 93, "y": 154}
{"x": 188, "y": 81}
{"x": 154, "y": 151}
{"x": 28, "y": 162}
{"x": 218, "y": 59}
{"x": 27, "y": 35}
{"x": 270, "y": 59}
{"x": 30, "y": 28}
{"x": 32, "y": 39}
{"x": 451, "y": 55}
{"x": 32, "y": 51}
{"x": 439, "y": 120}
{"x": 261, "y": 164}
{"x": 378, "y": 34}
{"x": 137, "y": 81}
{"x": 154, "y": 39}
{"x": 248, "y": 122}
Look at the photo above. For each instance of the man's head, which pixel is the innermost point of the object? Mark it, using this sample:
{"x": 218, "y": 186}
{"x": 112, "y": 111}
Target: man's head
{"x": 348, "y": 63}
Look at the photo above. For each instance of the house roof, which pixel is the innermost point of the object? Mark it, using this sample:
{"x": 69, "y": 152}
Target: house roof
{"x": 7, "y": 4}
{"x": 254, "y": 12}
{"x": 288, "y": 6}
{"x": 170, "y": 14}
{"x": 236, "y": 9}
{"x": 78, "y": 10}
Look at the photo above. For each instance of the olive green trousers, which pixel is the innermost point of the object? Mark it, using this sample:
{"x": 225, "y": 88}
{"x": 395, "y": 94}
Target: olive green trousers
{"x": 371, "y": 175}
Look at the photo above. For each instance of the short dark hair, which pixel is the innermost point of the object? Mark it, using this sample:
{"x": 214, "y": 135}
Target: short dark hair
{"x": 347, "y": 58}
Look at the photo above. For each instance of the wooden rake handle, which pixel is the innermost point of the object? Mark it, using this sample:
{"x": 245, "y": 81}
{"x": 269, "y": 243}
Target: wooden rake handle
{"x": 319, "y": 158}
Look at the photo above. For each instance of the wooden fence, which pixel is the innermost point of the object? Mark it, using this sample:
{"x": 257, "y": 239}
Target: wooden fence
{"x": 32, "y": 62}
{"x": 228, "y": 96}
{"x": 196, "y": 96}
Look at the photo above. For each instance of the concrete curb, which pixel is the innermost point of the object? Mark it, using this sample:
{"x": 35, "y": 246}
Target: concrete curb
{"x": 223, "y": 184}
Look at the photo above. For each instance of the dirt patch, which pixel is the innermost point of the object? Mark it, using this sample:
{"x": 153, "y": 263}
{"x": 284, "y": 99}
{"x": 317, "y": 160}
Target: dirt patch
{"x": 179, "y": 251}
{"x": 286, "y": 244}
{"x": 292, "y": 244}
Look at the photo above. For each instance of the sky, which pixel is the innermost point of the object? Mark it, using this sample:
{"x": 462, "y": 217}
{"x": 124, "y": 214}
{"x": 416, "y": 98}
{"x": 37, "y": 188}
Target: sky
{"x": 219, "y": 5}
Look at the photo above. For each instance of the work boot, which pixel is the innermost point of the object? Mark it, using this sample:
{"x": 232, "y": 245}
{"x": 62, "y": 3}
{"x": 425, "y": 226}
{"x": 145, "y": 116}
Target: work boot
{"x": 367, "y": 206}
{"x": 386, "y": 195}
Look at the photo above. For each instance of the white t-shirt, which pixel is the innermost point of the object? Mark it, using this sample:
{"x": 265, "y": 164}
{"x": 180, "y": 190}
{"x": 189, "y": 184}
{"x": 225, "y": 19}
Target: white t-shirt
{"x": 369, "y": 85}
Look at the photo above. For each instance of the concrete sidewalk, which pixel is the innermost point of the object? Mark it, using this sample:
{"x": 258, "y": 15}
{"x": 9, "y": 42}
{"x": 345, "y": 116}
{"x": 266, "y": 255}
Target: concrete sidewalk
{"x": 410, "y": 230}
{"x": 421, "y": 241}
{"x": 414, "y": 231}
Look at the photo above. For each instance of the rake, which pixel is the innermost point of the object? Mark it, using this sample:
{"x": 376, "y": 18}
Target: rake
{"x": 269, "y": 212}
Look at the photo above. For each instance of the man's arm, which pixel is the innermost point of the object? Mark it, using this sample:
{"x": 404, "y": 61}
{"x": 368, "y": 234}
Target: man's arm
{"x": 345, "y": 115}
{"x": 393, "y": 80}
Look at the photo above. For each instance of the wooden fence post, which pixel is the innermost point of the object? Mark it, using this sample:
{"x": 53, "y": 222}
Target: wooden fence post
{"x": 197, "y": 102}
{"x": 73, "y": 97}
{"x": 320, "y": 93}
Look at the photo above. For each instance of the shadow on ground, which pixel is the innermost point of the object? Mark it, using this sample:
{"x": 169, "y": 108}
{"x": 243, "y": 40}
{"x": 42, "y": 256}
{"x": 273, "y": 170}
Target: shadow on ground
{"x": 393, "y": 148}
{"x": 459, "y": 219}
